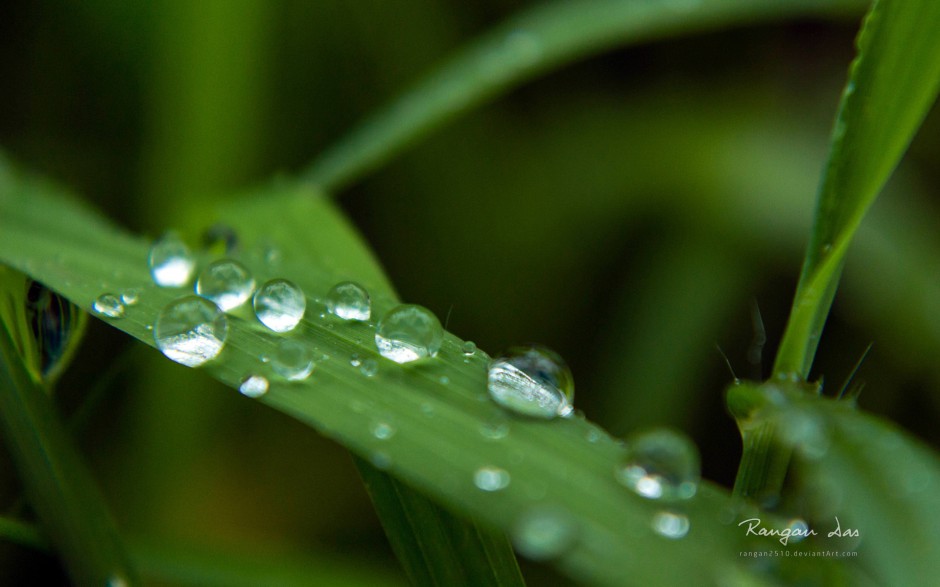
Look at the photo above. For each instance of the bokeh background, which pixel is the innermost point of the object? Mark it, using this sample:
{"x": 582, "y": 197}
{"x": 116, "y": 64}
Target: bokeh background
{"x": 627, "y": 211}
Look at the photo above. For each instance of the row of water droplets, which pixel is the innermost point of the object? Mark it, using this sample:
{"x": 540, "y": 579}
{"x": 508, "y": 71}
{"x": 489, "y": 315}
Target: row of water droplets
{"x": 530, "y": 381}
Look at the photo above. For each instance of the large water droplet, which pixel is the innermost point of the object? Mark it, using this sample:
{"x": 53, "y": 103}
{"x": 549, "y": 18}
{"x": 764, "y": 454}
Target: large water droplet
{"x": 253, "y": 386}
{"x": 349, "y": 301}
{"x": 491, "y": 478}
{"x": 670, "y": 524}
{"x": 543, "y": 533}
{"x": 280, "y": 304}
{"x": 660, "y": 464}
{"x": 533, "y": 381}
{"x": 109, "y": 306}
{"x": 408, "y": 333}
{"x": 171, "y": 262}
{"x": 292, "y": 360}
{"x": 191, "y": 331}
{"x": 227, "y": 283}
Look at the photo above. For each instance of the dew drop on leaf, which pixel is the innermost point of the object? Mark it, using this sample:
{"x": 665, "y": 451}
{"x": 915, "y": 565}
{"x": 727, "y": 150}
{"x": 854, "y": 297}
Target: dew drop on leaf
{"x": 253, "y": 386}
{"x": 280, "y": 304}
{"x": 109, "y": 306}
{"x": 171, "y": 262}
{"x": 544, "y": 533}
{"x": 532, "y": 381}
{"x": 670, "y": 524}
{"x": 660, "y": 464}
{"x": 292, "y": 360}
{"x": 408, "y": 333}
{"x": 190, "y": 331}
{"x": 491, "y": 478}
{"x": 350, "y": 301}
{"x": 228, "y": 283}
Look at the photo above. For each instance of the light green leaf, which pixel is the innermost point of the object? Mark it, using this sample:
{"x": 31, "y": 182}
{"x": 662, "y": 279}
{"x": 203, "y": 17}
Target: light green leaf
{"x": 439, "y": 412}
{"x": 892, "y": 83}
{"x": 537, "y": 40}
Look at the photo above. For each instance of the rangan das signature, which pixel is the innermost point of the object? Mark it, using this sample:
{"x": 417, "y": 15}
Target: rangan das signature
{"x": 755, "y": 529}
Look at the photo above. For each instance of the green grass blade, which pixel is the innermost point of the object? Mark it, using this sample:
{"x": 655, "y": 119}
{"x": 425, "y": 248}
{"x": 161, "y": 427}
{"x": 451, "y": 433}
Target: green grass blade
{"x": 866, "y": 472}
{"x": 439, "y": 411}
{"x": 892, "y": 84}
{"x": 57, "y": 484}
{"x": 535, "y": 41}
{"x": 434, "y": 546}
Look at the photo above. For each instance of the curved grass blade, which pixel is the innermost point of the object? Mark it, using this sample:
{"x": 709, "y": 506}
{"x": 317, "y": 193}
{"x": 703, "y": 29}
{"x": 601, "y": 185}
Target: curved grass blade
{"x": 439, "y": 413}
{"x": 892, "y": 83}
{"x": 535, "y": 41}
{"x": 434, "y": 546}
{"x": 57, "y": 484}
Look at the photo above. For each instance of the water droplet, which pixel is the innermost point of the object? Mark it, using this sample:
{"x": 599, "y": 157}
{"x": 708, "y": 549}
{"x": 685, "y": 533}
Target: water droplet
{"x": 382, "y": 430}
{"x": 444, "y": 379}
{"x": 130, "y": 297}
{"x": 660, "y": 464}
{"x": 220, "y": 239}
{"x": 543, "y": 533}
{"x": 292, "y": 360}
{"x": 191, "y": 331}
{"x": 272, "y": 255}
{"x": 495, "y": 430}
{"x": 491, "y": 478}
{"x": 409, "y": 333}
{"x": 109, "y": 306}
{"x": 369, "y": 367}
{"x": 280, "y": 305}
{"x": 349, "y": 301}
{"x": 799, "y": 530}
{"x": 227, "y": 283}
{"x": 171, "y": 262}
{"x": 381, "y": 460}
{"x": 592, "y": 435}
{"x": 354, "y": 360}
{"x": 469, "y": 348}
{"x": 253, "y": 386}
{"x": 533, "y": 381}
{"x": 670, "y": 524}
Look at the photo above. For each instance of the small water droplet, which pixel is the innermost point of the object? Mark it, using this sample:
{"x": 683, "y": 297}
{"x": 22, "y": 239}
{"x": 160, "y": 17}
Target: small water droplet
{"x": 190, "y": 331}
{"x": 130, "y": 297}
{"x": 660, "y": 464}
{"x": 292, "y": 360}
{"x": 272, "y": 255}
{"x": 409, "y": 333}
{"x": 382, "y": 430}
{"x": 491, "y": 478}
{"x": 444, "y": 379}
{"x": 369, "y": 367}
{"x": 592, "y": 435}
{"x": 280, "y": 304}
{"x": 354, "y": 360}
{"x": 670, "y": 524}
{"x": 533, "y": 381}
{"x": 171, "y": 262}
{"x": 109, "y": 306}
{"x": 798, "y": 530}
{"x": 381, "y": 460}
{"x": 427, "y": 409}
{"x": 227, "y": 283}
{"x": 349, "y": 301}
{"x": 543, "y": 533}
{"x": 253, "y": 386}
{"x": 469, "y": 348}
{"x": 220, "y": 239}
{"x": 495, "y": 430}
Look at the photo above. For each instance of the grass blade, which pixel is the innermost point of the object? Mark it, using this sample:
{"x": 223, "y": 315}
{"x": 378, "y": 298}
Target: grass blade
{"x": 535, "y": 41}
{"x": 892, "y": 83}
{"x": 434, "y": 546}
{"x": 439, "y": 410}
{"x": 57, "y": 484}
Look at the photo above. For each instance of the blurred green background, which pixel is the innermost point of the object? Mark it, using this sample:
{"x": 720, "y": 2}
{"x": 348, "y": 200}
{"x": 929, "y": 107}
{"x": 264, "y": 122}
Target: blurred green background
{"x": 625, "y": 211}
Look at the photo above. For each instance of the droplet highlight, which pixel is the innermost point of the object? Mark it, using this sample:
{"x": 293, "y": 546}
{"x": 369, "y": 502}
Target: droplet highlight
{"x": 293, "y": 360}
{"x": 171, "y": 262}
{"x": 190, "y": 331}
{"x": 280, "y": 304}
{"x": 660, "y": 464}
{"x": 109, "y": 306}
{"x": 670, "y": 524}
{"x": 409, "y": 333}
{"x": 532, "y": 381}
{"x": 491, "y": 478}
{"x": 253, "y": 386}
{"x": 350, "y": 301}
{"x": 130, "y": 297}
{"x": 228, "y": 283}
